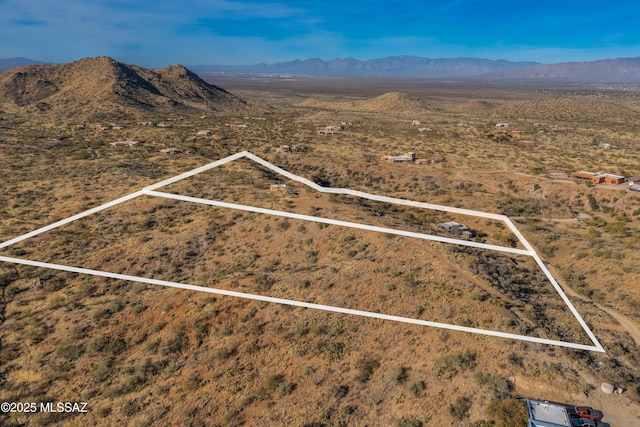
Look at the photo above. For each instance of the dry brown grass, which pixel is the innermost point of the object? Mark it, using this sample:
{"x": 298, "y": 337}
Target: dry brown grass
{"x": 145, "y": 355}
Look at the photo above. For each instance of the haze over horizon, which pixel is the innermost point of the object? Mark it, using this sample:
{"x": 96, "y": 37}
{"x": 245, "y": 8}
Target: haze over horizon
{"x": 225, "y": 32}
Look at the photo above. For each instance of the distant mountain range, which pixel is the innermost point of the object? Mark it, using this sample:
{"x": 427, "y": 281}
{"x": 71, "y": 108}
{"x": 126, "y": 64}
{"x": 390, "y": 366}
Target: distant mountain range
{"x": 6, "y": 63}
{"x": 621, "y": 70}
{"x": 394, "y": 66}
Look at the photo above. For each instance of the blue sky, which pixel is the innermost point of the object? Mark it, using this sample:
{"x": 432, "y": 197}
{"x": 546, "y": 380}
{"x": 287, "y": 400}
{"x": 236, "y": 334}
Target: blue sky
{"x": 193, "y": 32}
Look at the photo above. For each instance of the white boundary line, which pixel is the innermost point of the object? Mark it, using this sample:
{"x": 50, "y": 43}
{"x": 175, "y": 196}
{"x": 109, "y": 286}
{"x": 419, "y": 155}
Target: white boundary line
{"x": 293, "y": 303}
{"x": 336, "y": 222}
{"x": 149, "y": 190}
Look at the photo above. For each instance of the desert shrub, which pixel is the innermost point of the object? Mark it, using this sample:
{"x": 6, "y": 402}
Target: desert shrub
{"x": 175, "y": 345}
{"x": 366, "y": 366}
{"x": 339, "y": 391}
{"x": 277, "y": 384}
{"x": 501, "y": 387}
{"x": 460, "y": 409}
{"x": 264, "y": 282}
{"x": 332, "y": 350}
{"x": 508, "y": 413}
{"x": 249, "y": 314}
{"x": 101, "y": 371}
{"x": 617, "y": 227}
{"x": 400, "y": 374}
{"x": 450, "y": 364}
{"x": 284, "y": 225}
{"x": 131, "y": 407}
{"x": 106, "y": 344}
{"x": 223, "y": 353}
{"x": 408, "y": 422}
{"x": 418, "y": 387}
{"x": 70, "y": 351}
{"x": 312, "y": 256}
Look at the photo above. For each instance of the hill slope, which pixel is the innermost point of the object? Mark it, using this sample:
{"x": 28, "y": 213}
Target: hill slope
{"x": 102, "y": 84}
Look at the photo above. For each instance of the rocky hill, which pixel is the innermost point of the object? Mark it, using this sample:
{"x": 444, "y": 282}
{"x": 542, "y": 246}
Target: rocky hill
{"x": 97, "y": 85}
{"x": 387, "y": 102}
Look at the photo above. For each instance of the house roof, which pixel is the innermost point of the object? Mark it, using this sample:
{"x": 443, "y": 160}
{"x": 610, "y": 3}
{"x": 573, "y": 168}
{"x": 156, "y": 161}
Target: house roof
{"x": 608, "y": 175}
{"x": 546, "y": 414}
{"x": 584, "y": 174}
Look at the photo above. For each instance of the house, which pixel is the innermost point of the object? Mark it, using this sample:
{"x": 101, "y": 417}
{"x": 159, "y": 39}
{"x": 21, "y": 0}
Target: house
{"x": 455, "y": 229}
{"x": 170, "y": 151}
{"x": 278, "y": 187}
{"x": 327, "y": 130}
{"x": 163, "y": 125}
{"x": 284, "y": 149}
{"x": 598, "y": 177}
{"x": 406, "y": 158}
{"x": 547, "y": 414}
{"x": 594, "y": 178}
{"x": 502, "y": 125}
{"x": 409, "y": 157}
{"x": 613, "y": 179}
{"x": 205, "y": 132}
{"x": 502, "y": 132}
{"x": 415, "y": 123}
{"x": 124, "y": 143}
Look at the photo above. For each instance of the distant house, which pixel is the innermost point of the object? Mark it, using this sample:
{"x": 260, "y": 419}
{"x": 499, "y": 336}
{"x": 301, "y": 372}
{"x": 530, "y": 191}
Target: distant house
{"x": 327, "y": 130}
{"x": 163, "y": 125}
{"x": 409, "y": 157}
{"x": 284, "y": 149}
{"x": 278, "y": 187}
{"x": 405, "y": 158}
{"x": 503, "y": 132}
{"x": 598, "y": 177}
{"x": 455, "y": 229}
{"x": 205, "y": 132}
{"x": 502, "y": 125}
{"x": 415, "y": 123}
{"x": 170, "y": 151}
{"x": 124, "y": 143}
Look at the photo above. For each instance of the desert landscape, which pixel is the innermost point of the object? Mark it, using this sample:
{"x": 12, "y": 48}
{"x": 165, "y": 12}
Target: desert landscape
{"x": 76, "y": 136}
